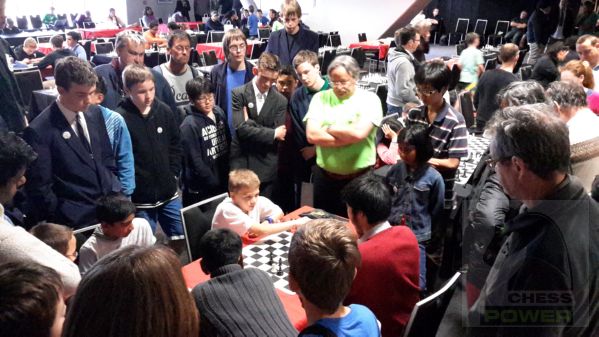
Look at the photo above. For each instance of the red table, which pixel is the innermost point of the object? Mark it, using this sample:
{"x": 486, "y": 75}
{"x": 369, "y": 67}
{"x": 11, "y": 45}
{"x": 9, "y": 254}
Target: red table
{"x": 193, "y": 275}
{"x": 379, "y": 46}
{"x": 46, "y": 47}
{"x": 192, "y": 25}
{"x": 218, "y": 48}
{"x": 93, "y": 33}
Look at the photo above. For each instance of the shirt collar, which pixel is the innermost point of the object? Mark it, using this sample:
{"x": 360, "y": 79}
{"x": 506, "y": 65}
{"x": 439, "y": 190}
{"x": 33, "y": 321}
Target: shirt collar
{"x": 68, "y": 114}
{"x": 3, "y": 219}
{"x": 256, "y": 91}
{"x": 374, "y": 231}
{"x": 225, "y": 270}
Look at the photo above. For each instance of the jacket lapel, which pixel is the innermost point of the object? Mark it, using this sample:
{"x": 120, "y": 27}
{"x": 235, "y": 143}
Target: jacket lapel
{"x": 251, "y": 101}
{"x": 68, "y": 135}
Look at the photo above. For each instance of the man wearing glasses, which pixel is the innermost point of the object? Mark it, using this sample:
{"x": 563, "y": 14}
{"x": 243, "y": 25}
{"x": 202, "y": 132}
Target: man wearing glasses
{"x": 130, "y": 50}
{"x": 401, "y": 70}
{"x": 177, "y": 72}
{"x": 234, "y": 72}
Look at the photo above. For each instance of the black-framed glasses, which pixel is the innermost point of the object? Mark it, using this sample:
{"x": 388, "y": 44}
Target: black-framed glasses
{"x": 426, "y": 92}
{"x": 240, "y": 48}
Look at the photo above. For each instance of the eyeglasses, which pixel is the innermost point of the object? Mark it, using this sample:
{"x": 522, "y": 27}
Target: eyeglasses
{"x": 341, "y": 83}
{"x": 206, "y": 98}
{"x": 426, "y": 92}
{"x": 493, "y": 162}
{"x": 235, "y": 49}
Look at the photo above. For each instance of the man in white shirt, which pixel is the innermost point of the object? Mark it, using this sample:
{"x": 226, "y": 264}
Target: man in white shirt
{"x": 118, "y": 228}
{"x": 177, "y": 72}
{"x": 15, "y": 242}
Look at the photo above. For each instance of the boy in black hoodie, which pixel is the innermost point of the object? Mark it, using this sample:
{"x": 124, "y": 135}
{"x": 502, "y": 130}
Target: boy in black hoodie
{"x": 156, "y": 152}
{"x": 205, "y": 138}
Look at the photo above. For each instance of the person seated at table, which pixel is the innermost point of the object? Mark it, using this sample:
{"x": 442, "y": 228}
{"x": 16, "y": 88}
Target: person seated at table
{"x": 471, "y": 63}
{"x": 28, "y": 53}
{"x": 214, "y": 23}
{"x": 10, "y": 27}
{"x": 50, "y": 19}
{"x": 59, "y": 237}
{"x": 262, "y": 20}
{"x": 118, "y": 228}
{"x": 245, "y": 211}
{"x": 114, "y": 19}
{"x": 183, "y": 7}
{"x": 73, "y": 39}
{"x": 323, "y": 259}
{"x": 205, "y": 137}
{"x": 286, "y": 43}
{"x": 144, "y": 287}
{"x": 130, "y": 49}
{"x": 236, "y": 301}
{"x": 176, "y": 17}
{"x": 233, "y": 18}
{"x": 148, "y": 17}
{"x": 389, "y": 256}
{"x": 151, "y": 36}
{"x": 120, "y": 139}
{"x": 58, "y": 52}
{"x": 33, "y": 300}
{"x": 546, "y": 69}
{"x": 85, "y": 20}
{"x": 172, "y": 27}
{"x": 234, "y": 72}
{"x": 419, "y": 190}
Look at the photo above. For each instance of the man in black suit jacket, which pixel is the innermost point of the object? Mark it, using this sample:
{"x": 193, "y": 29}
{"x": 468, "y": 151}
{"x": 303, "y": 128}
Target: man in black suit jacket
{"x": 286, "y": 43}
{"x": 75, "y": 164}
{"x": 259, "y": 122}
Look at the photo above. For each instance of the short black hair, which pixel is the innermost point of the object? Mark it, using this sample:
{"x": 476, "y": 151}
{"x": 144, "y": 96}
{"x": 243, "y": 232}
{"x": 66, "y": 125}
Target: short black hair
{"x": 288, "y": 70}
{"x": 113, "y": 208}
{"x": 370, "y": 195}
{"x": 153, "y": 24}
{"x": 177, "y": 35}
{"x": 101, "y": 86}
{"x": 73, "y": 70}
{"x": 173, "y": 25}
{"x": 404, "y": 35}
{"x": 417, "y": 135}
{"x": 74, "y": 35}
{"x": 435, "y": 74}
{"x": 219, "y": 247}
{"x": 197, "y": 87}
{"x": 15, "y": 155}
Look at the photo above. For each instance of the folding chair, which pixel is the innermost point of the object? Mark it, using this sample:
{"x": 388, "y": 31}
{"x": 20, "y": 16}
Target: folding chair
{"x": 103, "y": 48}
{"x": 480, "y": 28}
{"x": 501, "y": 28}
{"x": 526, "y": 72}
{"x": 44, "y": 39}
{"x": 362, "y": 37}
{"x": 491, "y": 64}
{"x": 197, "y": 220}
{"x": 258, "y": 49}
{"x": 209, "y": 60}
{"x": 334, "y": 40}
{"x": 328, "y": 57}
{"x": 428, "y": 313}
{"x": 36, "y": 21}
{"x": 215, "y": 36}
{"x": 263, "y": 33}
{"x": 28, "y": 81}
{"x": 152, "y": 59}
{"x": 461, "y": 28}
{"x": 359, "y": 56}
{"x": 22, "y": 22}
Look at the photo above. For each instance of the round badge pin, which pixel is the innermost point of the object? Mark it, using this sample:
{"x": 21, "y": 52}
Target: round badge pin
{"x": 159, "y": 129}
{"x": 66, "y": 135}
{"x": 251, "y": 105}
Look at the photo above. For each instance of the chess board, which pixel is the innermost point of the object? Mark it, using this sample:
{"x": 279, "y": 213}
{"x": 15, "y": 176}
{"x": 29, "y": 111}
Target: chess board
{"x": 476, "y": 147}
{"x": 258, "y": 255}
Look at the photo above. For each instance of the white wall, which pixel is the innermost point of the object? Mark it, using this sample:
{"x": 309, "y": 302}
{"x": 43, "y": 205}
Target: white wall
{"x": 135, "y": 9}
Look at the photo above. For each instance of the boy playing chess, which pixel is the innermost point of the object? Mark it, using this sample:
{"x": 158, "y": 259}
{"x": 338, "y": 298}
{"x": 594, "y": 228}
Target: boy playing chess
{"x": 245, "y": 211}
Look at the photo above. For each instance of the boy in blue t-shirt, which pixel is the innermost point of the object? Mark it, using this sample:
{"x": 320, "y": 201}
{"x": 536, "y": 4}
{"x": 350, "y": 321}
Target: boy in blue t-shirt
{"x": 418, "y": 189}
{"x": 323, "y": 259}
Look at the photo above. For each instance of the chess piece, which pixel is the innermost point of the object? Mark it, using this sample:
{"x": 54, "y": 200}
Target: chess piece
{"x": 271, "y": 258}
{"x": 464, "y": 174}
{"x": 273, "y": 268}
{"x": 280, "y": 271}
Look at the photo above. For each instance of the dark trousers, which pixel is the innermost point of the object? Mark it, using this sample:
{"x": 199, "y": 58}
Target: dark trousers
{"x": 327, "y": 192}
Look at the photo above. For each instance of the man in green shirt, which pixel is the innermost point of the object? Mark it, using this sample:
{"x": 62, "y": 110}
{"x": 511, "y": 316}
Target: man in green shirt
{"x": 50, "y": 18}
{"x": 342, "y": 123}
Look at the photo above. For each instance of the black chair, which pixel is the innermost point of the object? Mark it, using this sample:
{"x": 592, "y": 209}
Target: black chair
{"x": 89, "y": 25}
{"x": 28, "y": 81}
{"x": 100, "y": 59}
{"x": 210, "y": 58}
{"x": 152, "y": 59}
{"x": 459, "y": 48}
{"x": 480, "y": 28}
{"x": 526, "y": 72}
{"x": 36, "y": 21}
{"x": 491, "y": 64}
{"x": 258, "y": 49}
{"x": 103, "y": 48}
{"x": 87, "y": 46}
{"x": 455, "y": 77}
{"x": 501, "y": 28}
{"x": 197, "y": 220}
{"x": 521, "y": 57}
{"x": 22, "y": 22}
{"x": 334, "y": 40}
{"x": 329, "y": 56}
{"x": 73, "y": 20}
{"x": 263, "y": 33}
{"x": 428, "y": 313}
{"x": 322, "y": 39}
{"x": 362, "y": 37}
{"x": 44, "y": 39}
{"x": 215, "y": 36}
{"x": 467, "y": 108}
{"x": 194, "y": 57}
{"x": 461, "y": 28}
{"x": 359, "y": 56}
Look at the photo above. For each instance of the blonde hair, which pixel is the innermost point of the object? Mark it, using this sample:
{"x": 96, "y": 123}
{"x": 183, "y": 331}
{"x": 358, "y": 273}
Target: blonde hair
{"x": 243, "y": 178}
{"x": 134, "y": 74}
{"x": 30, "y": 42}
{"x": 291, "y": 8}
{"x": 580, "y": 68}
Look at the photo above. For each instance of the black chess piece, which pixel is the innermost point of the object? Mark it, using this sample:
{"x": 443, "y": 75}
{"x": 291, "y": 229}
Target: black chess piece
{"x": 271, "y": 258}
{"x": 464, "y": 174}
{"x": 280, "y": 271}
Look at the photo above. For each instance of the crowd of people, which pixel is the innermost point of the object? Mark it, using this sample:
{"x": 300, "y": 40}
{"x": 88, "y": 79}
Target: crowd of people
{"x": 124, "y": 148}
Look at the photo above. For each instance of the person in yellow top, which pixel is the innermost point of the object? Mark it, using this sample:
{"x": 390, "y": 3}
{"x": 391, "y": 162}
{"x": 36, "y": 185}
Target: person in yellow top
{"x": 151, "y": 36}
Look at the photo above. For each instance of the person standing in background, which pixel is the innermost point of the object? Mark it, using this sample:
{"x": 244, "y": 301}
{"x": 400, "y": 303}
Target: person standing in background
{"x": 183, "y": 7}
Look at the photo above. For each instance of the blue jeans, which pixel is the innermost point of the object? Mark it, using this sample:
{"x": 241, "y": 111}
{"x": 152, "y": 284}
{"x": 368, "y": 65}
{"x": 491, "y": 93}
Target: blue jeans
{"x": 422, "y": 277}
{"x": 391, "y": 109}
{"x": 168, "y": 216}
